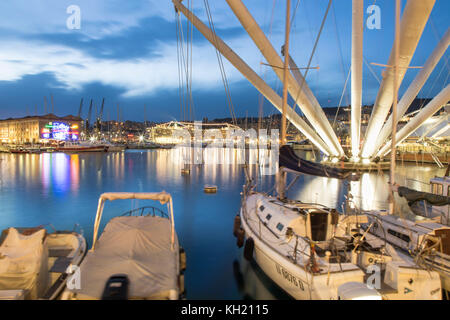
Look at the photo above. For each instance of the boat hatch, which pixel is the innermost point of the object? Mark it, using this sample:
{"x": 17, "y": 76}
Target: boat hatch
{"x": 444, "y": 234}
{"x": 319, "y": 225}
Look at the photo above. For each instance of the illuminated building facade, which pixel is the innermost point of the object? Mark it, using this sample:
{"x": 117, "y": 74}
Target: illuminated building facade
{"x": 164, "y": 133}
{"x": 40, "y": 129}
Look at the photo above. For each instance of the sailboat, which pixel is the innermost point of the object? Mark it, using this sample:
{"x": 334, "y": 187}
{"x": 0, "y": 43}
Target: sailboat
{"x": 426, "y": 240}
{"x": 315, "y": 252}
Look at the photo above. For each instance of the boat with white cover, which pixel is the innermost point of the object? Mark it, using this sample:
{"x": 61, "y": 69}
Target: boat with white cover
{"x": 35, "y": 264}
{"x": 137, "y": 256}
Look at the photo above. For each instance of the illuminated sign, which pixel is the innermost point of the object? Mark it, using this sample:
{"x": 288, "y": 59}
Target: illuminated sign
{"x": 59, "y": 131}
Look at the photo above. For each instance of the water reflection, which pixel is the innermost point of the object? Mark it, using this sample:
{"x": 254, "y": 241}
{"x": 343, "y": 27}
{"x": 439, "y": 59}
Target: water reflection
{"x": 253, "y": 284}
{"x": 63, "y": 189}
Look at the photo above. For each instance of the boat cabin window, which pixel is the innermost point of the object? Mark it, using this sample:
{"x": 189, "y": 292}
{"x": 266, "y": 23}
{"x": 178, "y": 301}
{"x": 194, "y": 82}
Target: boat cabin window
{"x": 399, "y": 235}
{"x": 261, "y": 208}
{"x": 319, "y": 225}
{"x": 437, "y": 188}
{"x": 268, "y": 216}
{"x": 280, "y": 226}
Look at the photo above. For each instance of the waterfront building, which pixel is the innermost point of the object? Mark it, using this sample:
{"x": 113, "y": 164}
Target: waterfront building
{"x": 40, "y": 129}
{"x": 166, "y": 133}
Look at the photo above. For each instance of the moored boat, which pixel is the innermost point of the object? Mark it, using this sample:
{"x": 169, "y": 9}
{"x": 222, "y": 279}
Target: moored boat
{"x": 17, "y": 150}
{"x": 136, "y": 257}
{"x": 35, "y": 264}
{"x": 424, "y": 242}
{"x": 314, "y": 252}
{"x": 434, "y": 204}
{"x": 82, "y": 147}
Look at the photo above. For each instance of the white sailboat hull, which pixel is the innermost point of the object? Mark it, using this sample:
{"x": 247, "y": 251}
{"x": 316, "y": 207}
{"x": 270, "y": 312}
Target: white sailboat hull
{"x": 293, "y": 278}
{"x": 274, "y": 254}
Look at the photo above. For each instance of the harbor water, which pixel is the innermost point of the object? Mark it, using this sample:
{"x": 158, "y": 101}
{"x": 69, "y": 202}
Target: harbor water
{"x": 62, "y": 190}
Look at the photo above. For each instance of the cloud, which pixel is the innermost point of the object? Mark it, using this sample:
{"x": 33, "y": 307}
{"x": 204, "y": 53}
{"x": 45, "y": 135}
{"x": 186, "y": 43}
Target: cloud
{"x": 131, "y": 45}
{"x": 73, "y": 68}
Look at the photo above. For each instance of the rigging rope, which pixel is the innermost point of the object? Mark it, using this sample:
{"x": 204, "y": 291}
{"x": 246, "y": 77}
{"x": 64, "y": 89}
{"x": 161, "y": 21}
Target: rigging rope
{"x": 184, "y": 54}
{"x": 311, "y": 57}
{"x": 371, "y": 70}
{"x": 342, "y": 96}
{"x": 179, "y": 65}
{"x": 221, "y": 66}
{"x": 261, "y": 97}
{"x": 340, "y": 47}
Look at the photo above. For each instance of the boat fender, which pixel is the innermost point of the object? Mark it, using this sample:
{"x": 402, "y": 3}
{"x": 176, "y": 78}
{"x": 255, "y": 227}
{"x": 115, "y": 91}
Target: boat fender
{"x": 181, "y": 284}
{"x": 248, "y": 249}
{"x": 240, "y": 237}
{"x": 237, "y": 225}
{"x": 182, "y": 259}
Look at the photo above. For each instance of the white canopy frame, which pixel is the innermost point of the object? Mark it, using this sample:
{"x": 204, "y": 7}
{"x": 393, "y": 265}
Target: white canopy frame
{"x": 162, "y": 197}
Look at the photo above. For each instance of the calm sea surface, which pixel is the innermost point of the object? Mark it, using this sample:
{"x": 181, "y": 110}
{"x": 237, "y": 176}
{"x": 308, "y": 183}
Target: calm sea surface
{"x": 63, "y": 189}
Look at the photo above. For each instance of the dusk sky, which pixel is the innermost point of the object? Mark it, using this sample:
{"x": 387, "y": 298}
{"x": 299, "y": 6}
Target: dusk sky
{"x": 126, "y": 52}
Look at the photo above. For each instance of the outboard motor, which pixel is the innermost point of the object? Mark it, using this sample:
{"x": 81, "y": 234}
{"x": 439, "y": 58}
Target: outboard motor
{"x": 116, "y": 288}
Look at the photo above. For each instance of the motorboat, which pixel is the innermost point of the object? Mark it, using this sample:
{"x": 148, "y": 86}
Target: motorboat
{"x": 36, "y": 264}
{"x": 17, "y": 150}
{"x": 137, "y": 256}
{"x": 82, "y": 147}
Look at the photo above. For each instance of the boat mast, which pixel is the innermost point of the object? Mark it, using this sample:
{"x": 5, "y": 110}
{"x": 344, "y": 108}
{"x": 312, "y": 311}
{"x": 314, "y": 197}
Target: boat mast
{"x": 281, "y": 185}
{"x": 254, "y": 79}
{"x": 394, "y": 105}
{"x": 356, "y": 72}
{"x": 285, "y": 74}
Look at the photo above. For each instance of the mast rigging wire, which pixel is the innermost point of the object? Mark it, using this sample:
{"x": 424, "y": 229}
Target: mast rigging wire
{"x": 311, "y": 56}
{"x": 221, "y": 66}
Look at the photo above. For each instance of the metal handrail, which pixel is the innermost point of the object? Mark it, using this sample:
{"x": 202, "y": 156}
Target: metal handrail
{"x": 142, "y": 212}
{"x": 162, "y": 197}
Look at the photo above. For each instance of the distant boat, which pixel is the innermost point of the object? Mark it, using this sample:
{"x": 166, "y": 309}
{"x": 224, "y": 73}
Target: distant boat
{"x": 113, "y": 147}
{"x": 82, "y": 147}
{"x": 18, "y": 150}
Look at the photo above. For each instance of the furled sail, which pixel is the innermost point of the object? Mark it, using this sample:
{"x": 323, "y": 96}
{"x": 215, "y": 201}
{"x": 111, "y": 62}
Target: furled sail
{"x": 413, "y": 196}
{"x": 290, "y": 161}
